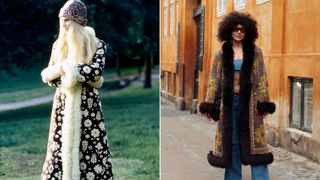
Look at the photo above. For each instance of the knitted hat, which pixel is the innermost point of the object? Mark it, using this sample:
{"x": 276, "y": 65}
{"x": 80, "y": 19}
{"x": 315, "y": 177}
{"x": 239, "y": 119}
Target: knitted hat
{"x": 74, "y": 10}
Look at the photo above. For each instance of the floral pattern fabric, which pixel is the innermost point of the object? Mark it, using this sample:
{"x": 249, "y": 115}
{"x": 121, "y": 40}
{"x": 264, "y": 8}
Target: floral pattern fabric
{"x": 95, "y": 160}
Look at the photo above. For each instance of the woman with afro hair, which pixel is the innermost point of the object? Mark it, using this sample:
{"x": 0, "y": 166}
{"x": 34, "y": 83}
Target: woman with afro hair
{"x": 238, "y": 99}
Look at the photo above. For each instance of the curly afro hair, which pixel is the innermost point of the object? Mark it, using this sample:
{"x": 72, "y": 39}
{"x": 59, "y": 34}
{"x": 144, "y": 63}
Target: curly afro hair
{"x": 232, "y": 20}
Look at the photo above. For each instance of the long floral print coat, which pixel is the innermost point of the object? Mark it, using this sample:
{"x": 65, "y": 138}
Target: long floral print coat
{"x": 253, "y": 88}
{"x": 77, "y": 144}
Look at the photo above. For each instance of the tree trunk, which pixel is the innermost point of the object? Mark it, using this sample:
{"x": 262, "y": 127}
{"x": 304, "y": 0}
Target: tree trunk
{"x": 147, "y": 79}
{"x": 118, "y": 65}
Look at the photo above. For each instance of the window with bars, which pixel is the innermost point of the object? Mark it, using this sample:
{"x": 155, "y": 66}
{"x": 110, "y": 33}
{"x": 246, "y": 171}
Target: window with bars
{"x": 171, "y": 17}
{"x": 165, "y": 18}
{"x": 221, "y": 7}
{"x": 177, "y": 16}
{"x": 163, "y": 80}
{"x": 261, "y": 1}
{"x": 301, "y": 103}
{"x": 169, "y": 82}
{"x": 174, "y": 84}
{"x": 239, "y": 4}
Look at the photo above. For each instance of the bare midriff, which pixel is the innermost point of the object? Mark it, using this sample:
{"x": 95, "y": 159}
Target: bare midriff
{"x": 236, "y": 82}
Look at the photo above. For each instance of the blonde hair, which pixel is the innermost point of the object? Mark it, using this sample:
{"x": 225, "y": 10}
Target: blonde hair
{"x": 78, "y": 44}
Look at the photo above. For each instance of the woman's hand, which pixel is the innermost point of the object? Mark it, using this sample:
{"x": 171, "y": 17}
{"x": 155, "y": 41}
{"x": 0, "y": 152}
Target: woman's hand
{"x": 208, "y": 116}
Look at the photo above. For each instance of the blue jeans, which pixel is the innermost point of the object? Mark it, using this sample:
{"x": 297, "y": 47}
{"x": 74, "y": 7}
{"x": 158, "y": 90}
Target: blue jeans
{"x": 259, "y": 172}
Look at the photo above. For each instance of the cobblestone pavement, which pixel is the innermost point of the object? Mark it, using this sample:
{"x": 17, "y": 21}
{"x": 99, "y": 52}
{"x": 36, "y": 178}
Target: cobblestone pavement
{"x": 186, "y": 139}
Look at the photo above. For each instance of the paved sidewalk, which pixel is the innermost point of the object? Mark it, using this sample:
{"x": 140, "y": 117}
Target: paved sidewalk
{"x": 186, "y": 140}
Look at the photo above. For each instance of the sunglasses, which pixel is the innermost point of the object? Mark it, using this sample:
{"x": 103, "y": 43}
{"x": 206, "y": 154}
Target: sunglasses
{"x": 237, "y": 29}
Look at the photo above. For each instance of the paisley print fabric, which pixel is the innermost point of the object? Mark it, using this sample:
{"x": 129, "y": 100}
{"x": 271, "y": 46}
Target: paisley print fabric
{"x": 253, "y": 88}
{"x": 95, "y": 160}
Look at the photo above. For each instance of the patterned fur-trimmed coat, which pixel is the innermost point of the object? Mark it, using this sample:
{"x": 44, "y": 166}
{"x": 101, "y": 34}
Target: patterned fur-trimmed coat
{"x": 253, "y": 87}
{"x": 77, "y": 145}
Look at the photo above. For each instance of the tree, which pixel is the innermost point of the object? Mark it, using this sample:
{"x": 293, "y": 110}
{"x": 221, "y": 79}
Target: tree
{"x": 130, "y": 27}
{"x": 26, "y": 37}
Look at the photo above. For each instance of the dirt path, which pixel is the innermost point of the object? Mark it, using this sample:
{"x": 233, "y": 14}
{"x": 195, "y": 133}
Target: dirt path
{"x": 186, "y": 139}
{"x": 26, "y": 103}
{"x": 48, "y": 98}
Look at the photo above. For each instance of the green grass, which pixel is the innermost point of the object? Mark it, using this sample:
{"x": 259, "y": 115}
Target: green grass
{"x": 23, "y": 80}
{"x": 132, "y": 120}
{"x": 29, "y": 79}
{"x": 21, "y": 95}
{"x": 28, "y": 84}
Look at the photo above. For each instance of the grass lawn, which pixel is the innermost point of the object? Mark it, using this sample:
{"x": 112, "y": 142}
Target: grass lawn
{"x": 22, "y": 95}
{"x": 28, "y": 84}
{"x": 132, "y": 120}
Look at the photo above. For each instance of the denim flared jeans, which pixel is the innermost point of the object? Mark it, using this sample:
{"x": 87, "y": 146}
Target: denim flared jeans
{"x": 259, "y": 172}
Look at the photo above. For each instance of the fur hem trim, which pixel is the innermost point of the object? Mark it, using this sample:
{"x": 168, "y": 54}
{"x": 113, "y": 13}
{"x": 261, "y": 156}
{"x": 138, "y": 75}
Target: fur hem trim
{"x": 71, "y": 134}
{"x": 257, "y": 159}
{"x": 218, "y": 161}
{"x": 50, "y": 73}
{"x": 69, "y": 79}
{"x": 96, "y": 84}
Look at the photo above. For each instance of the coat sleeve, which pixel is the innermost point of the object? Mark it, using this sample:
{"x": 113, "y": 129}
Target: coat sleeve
{"x": 211, "y": 106}
{"x": 93, "y": 71}
{"x": 262, "y": 89}
{"x": 213, "y": 88}
{"x": 264, "y": 105}
{"x": 51, "y": 74}
{"x": 90, "y": 73}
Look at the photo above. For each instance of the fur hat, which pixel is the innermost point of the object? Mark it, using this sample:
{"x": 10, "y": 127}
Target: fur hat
{"x": 74, "y": 10}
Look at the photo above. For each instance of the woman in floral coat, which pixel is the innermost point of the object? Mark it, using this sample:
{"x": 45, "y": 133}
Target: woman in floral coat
{"x": 77, "y": 145}
{"x": 238, "y": 99}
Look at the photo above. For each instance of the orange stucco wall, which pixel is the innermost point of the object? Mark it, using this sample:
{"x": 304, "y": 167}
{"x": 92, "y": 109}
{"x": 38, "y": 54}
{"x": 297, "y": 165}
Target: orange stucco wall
{"x": 288, "y": 37}
{"x": 187, "y": 50}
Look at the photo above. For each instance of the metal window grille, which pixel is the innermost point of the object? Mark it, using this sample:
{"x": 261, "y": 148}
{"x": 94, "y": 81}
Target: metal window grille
{"x": 261, "y": 1}
{"x": 165, "y": 18}
{"x": 239, "y": 4}
{"x": 221, "y": 7}
{"x": 171, "y": 17}
{"x": 301, "y": 103}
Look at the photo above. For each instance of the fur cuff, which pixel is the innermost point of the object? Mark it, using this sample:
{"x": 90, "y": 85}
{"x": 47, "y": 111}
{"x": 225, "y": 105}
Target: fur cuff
{"x": 210, "y": 108}
{"x": 71, "y": 72}
{"x": 218, "y": 161}
{"x": 96, "y": 84}
{"x": 266, "y": 107}
{"x": 52, "y": 72}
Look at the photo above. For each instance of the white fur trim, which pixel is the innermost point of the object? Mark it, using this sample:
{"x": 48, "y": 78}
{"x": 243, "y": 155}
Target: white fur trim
{"x": 96, "y": 84}
{"x": 69, "y": 80}
{"x": 71, "y": 133}
{"x": 91, "y": 31}
{"x": 52, "y": 72}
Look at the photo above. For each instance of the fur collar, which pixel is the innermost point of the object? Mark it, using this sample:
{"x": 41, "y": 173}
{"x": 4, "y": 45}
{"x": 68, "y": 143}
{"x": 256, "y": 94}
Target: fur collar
{"x": 245, "y": 90}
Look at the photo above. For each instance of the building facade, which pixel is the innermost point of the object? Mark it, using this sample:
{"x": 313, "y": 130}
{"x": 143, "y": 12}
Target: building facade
{"x": 288, "y": 37}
